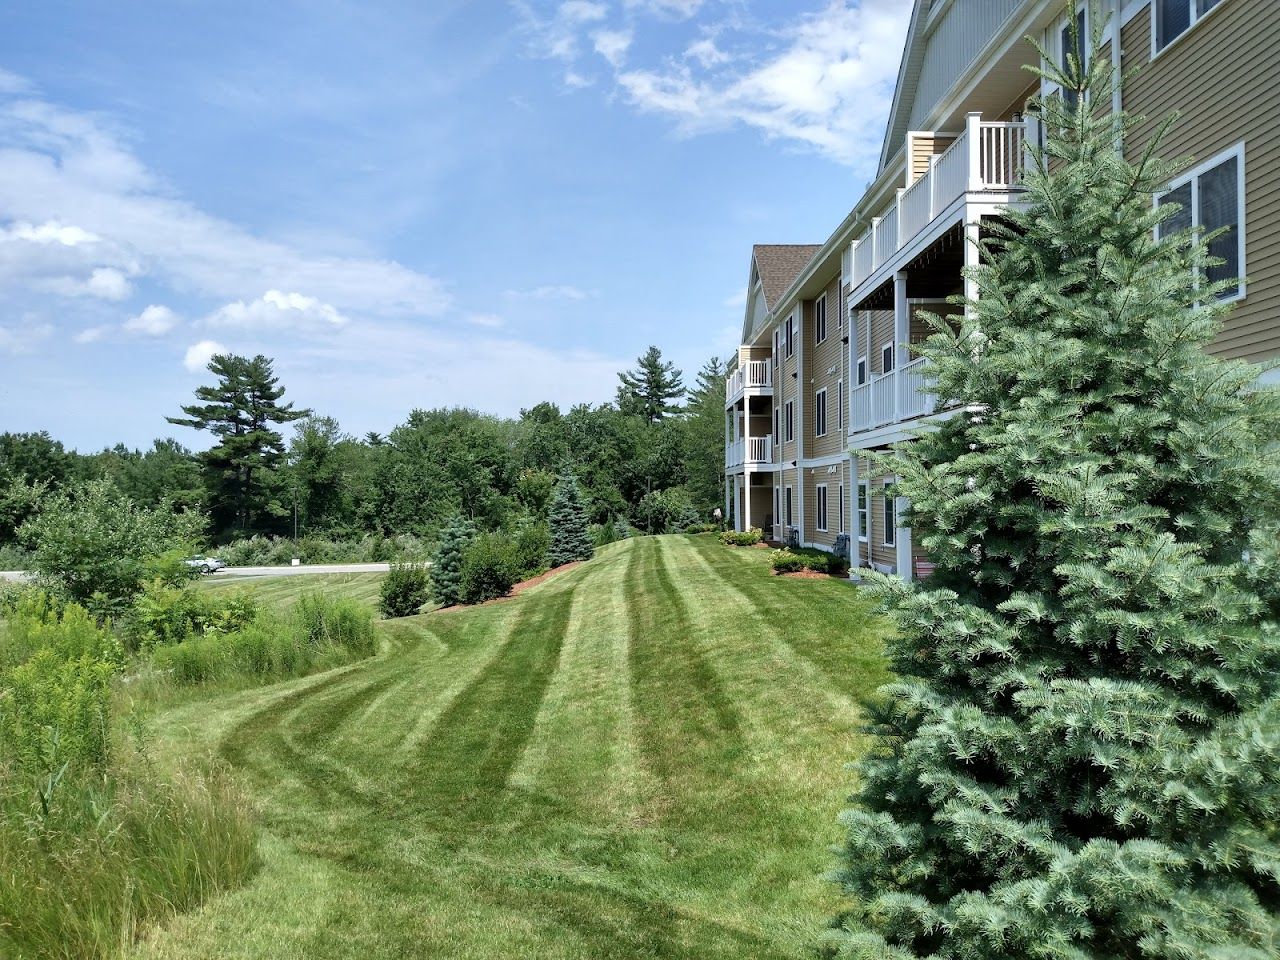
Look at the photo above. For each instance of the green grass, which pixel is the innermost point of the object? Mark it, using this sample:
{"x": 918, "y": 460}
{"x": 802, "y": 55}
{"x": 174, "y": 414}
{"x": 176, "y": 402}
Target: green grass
{"x": 641, "y": 757}
{"x": 283, "y": 590}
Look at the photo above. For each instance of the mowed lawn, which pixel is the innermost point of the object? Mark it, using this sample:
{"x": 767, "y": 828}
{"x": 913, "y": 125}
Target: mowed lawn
{"x": 282, "y": 590}
{"x": 641, "y": 757}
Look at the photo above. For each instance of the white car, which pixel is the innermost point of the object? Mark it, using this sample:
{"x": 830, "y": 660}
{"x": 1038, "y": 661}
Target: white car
{"x": 205, "y": 564}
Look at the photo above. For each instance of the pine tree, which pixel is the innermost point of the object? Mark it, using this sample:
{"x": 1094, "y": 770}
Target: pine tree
{"x": 704, "y": 437}
{"x": 1081, "y": 755}
{"x": 240, "y": 412}
{"x": 446, "y": 566}
{"x": 567, "y": 517}
{"x": 649, "y": 391}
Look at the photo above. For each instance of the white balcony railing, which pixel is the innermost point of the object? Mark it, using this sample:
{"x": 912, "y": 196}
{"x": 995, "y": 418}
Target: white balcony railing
{"x": 748, "y": 450}
{"x": 751, "y": 375}
{"x": 734, "y": 451}
{"x": 986, "y": 156}
{"x": 892, "y": 397}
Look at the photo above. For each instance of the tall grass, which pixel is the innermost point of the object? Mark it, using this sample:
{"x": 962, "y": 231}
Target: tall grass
{"x": 115, "y": 850}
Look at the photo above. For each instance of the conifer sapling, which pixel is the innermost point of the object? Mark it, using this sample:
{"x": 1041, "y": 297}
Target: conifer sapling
{"x": 567, "y": 516}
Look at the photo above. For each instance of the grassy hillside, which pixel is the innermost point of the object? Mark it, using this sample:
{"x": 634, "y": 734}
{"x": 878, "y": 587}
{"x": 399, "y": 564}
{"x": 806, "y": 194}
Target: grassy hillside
{"x": 641, "y": 757}
{"x": 283, "y": 590}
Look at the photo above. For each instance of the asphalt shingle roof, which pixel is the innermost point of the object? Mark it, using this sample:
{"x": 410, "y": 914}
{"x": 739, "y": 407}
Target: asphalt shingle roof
{"x": 780, "y": 263}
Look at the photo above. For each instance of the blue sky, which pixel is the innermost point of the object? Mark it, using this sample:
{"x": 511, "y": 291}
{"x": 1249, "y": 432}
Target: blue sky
{"x": 407, "y": 205}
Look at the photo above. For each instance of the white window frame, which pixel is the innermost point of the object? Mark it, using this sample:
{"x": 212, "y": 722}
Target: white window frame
{"x": 820, "y": 507}
{"x": 1053, "y": 43}
{"x": 789, "y": 338}
{"x": 820, "y": 413}
{"x": 840, "y": 403}
{"x": 788, "y": 505}
{"x": 789, "y": 422}
{"x": 777, "y": 345}
{"x": 1196, "y": 19}
{"x": 777, "y": 425}
{"x": 861, "y": 370}
{"x": 777, "y": 505}
{"x": 840, "y": 500}
{"x": 1192, "y": 177}
{"x": 820, "y": 320}
{"x": 888, "y": 358}
{"x": 889, "y": 512}
{"x": 863, "y": 507}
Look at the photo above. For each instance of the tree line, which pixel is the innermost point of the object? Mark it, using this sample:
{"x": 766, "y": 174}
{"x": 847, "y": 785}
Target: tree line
{"x": 652, "y": 458}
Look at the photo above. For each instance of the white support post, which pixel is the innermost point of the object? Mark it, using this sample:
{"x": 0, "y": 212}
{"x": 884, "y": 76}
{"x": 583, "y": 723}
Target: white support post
{"x": 875, "y": 258}
{"x": 728, "y": 499}
{"x": 897, "y": 203}
{"x": 746, "y": 500}
{"x": 933, "y": 186}
{"x": 901, "y": 334}
{"x": 855, "y": 520}
{"x": 973, "y": 129}
{"x": 972, "y": 228}
{"x": 902, "y": 537}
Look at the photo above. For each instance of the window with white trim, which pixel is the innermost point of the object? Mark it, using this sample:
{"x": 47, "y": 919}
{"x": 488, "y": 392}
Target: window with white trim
{"x": 1173, "y": 18}
{"x": 820, "y": 319}
{"x": 840, "y": 498}
{"x": 890, "y": 517}
{"x": 840, "y": 405}
{"x": 1211, "y": 197}
{"x": 820, "y": 413}
{"x": 820, "y": 505}
{"x": 864, "y": 510}
{"x": 777, "y": 425}
{"x": 789, "y": 337}
{"x": 777, "y": 503}
{"x": 1073, "y": 40}
{"x": 862, "y": 370}
{"x": 776, "y": 343}
{"x": 788, "y": 498}
{"x": 791, "y": 420}
{"x": 886, "y": 358}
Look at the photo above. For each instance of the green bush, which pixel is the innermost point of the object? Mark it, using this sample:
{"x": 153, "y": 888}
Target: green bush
{"x": 334, "y": 621}
{"x": 529, "y": 548}
{"x": 741, "y": 538}
{"x": 163, "y": 615}
{"x": 789, "y": 560}
{"x": 260, "y": 550}
{"x": 489, "y": 568}
{"x": 446, "y": 567}
{"x": 13, "y": 557}
{"x": 702, "y": 528}
{"x": 666, "y": 511}
{"x": 405, "y": 589}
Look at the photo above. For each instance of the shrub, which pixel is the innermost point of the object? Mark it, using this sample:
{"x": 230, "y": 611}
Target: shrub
{"x": 162, "y": 615}
{"x": 323, "y": 621}
{"x": 259, "y": 550}
{"x": 666, "y": 511}
{"x": 13, "y": 557}
{"x": 446, "y": 568}
{"x": 489, "y": 569}
{"x": 567, "y": 518}
{"x": 529, "y": 549}
{"x": 791, "y": 560}
{"x": 742, "y": 538}
{"x": 405, "y": 589}
{"x": 702, "y": 528}
{"x": 784, "y": 561}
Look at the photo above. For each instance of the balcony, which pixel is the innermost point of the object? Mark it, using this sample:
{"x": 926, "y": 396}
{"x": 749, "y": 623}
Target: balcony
{"x": 891, "y": 398}
{"x": 986, "y": 157}
{"x": 754, "y": 376}
{"x": 748, "y": 451}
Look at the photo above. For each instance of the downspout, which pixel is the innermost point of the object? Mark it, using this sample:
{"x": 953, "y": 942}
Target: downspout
{"x": 1117, "y": 94}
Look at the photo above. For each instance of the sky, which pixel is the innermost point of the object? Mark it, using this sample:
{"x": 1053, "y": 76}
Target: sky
{"x": 485, "y": 203}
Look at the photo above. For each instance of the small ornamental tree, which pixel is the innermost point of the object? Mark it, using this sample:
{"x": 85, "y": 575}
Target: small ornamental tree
{"x": 570, "y": 539}
{"x": 446, "y": 566}
{"x": 1081, "y": 755}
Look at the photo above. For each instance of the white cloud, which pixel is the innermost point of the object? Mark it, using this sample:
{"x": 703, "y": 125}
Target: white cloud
{"x": 576, "y": 81}
{"x": 154, "y": 321}
{"x": 549, "y": 292}
{"x": 275, "y": 310}
{"x": 583, "y": 11}
{"x": 59, "y": 167}
{"x": 680, "y": 9}
{"x": 491, "y": 320}
{"x": 24, "y": 337}
{"x": 612, "y": 45}
{"x": 109, "y": 284}
{"x": 706, "y": 53}
{"x": 199, "y": 354}
{"x": 93, "y": 334}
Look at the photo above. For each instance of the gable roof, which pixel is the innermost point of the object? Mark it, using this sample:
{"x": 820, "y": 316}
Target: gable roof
{"x": 904, "y": 91}
{"x": 778, "y": 264}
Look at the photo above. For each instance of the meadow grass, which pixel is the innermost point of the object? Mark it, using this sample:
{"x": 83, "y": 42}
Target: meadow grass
{"x": 642, "y": 756}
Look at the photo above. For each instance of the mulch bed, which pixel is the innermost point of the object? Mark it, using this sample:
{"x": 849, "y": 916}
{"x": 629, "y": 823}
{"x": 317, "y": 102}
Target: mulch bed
{"x": 519, "y": 588}
{"x": 805, "y": 575}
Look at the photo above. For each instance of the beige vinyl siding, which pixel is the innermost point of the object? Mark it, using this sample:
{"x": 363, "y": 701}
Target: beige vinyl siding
{"x": 924, "y": 146}
{"x": 824, "y": 365}
{"x": 881, "y": 333}
{"x": 880, "y": 554}
{"x": 1221, "y": 79}
{"x": 784, "y": 391}
{"x": 830, "y": 476}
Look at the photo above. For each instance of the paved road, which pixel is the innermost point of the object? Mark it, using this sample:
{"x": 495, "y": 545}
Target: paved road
{"x": 265, "y": 571}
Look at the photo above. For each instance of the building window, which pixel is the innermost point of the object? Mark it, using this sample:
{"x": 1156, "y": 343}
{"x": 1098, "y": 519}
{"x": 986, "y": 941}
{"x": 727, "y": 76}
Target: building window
{"x": 820, "y": 319}
{"x": 788, "y": 498}
{"x": 862, "y": 370}
{"x": 840, "y": 509}
{"x": 1173, "y": 18}
{"x": 790, "y": 337}
{"x": 1073, "y": 41}
{"x": 821, "y": 506}
{"x": 890, "y": 518}
{"x": 840, "y": 405}
{"x": 1212, "y": 197}
{"x": 791, "y": 420}
{"x": 777, "y": 503}
{"x": 820, "y": 413}
{"x": 864, "y": 512}
{"x": 886, "y": 358}
{"x": 775, "y": 347}
{"x": 777, "y": 419}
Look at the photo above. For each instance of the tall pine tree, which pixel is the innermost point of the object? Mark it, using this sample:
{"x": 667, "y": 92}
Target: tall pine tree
{"x": 704, "y": 437}
{"x": 1081, "y": 756}
{"x": 567, "y": 517}
{"x": 651, "y": 389}
{"x": 241, "y": 411}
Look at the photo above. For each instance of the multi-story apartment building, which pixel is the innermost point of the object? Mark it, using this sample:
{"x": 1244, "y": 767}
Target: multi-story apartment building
{"x": 826, "y": 364}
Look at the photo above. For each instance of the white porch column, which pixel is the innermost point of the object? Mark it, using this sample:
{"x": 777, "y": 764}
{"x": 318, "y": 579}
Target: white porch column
{"x": 728, "y": 498}
{"x": 901, "y": 334}
{"x": 902, "y": 537}
{"x": 971, "y": 257}
{"x": 855, "y": 520}
{"x": 746, "y": 500}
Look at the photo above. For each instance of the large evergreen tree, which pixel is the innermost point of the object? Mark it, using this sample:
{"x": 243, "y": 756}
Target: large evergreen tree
{"x": 1081, "y": 756}
{"x": 651, "y": 389}
{"x": 704, "y": 437}
{"x": 241, "y": 411}
{"x": 567, "y": 518}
